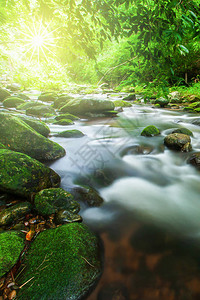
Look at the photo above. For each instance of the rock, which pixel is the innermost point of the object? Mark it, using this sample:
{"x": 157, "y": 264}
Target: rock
{"x": 22, "y": 175}
{"x": 40, "y": 110}
{"x": 161, "y": 101}
{"x": 14, "y": 87}
{"x": 65, "y": 262}
{"x": 14, "y": 213}
{"x": 88, "y": 195}
{"x": 175, "y": 97}
{"x": 20, "y": 137}
{"x": 178, "y": 141}
{"x": 150, "y": 130}
{"x": 4, "y": 94}
{"x": 130, "y": 97}
{"x": 74, "y": 133}
{"x": 196, "y": 122}
{"x": 11, "y": 246}
{"x": 82, "y": 106}
{"x": 37, "y": 125}
{"x": 12, "y": 102}
{"x": 50, "y": 201}
{"x": 66, "y": 116}
{"x": 183, "y": 130}
{"x": 28, "y": 104}
{"x": 194, "y": 160}
{"x": 64, "y": 216}
{"x": 23, "y": 96}
{"x": 64, "y": 122}
{"x": 62, "y": 100}
{"x": 121, "y": 103}
{"x": 137, "y": 149}
{"x": 47, "y": 97}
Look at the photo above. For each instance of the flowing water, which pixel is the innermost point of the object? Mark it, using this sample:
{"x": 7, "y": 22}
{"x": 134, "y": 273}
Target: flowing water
{"x": 150, "y": 220}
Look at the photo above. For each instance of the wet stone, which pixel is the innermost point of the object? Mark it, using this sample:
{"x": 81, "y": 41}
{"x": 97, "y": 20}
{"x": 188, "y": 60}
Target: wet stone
{"x": 64, "y": 216}
{"x": 14, "y": 213}
{"x": 194, "y": 160}
{"x": 178, "y": 141}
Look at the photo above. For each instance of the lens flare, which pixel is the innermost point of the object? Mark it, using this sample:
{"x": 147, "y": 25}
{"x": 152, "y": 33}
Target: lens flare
{"x": 38, "y": 41}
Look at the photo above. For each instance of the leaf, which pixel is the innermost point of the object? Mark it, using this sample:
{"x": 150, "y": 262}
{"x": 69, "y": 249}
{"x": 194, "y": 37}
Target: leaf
{"x": 183, "y": 48}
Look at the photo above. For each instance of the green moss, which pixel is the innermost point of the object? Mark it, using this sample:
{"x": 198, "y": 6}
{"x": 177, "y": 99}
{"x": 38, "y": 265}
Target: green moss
{"x": 11, "y": 245}
{"x": 130, "y": 97}
{"x": 197, "y": 110}
{"x": 2, "y": 146}
{"x": 22, "y": 175}
{"x": 161, "y": 101}
{"x": 121, "y": 103}
{"x": 20, "y": 137}
{"x": 150, "y": 130}
{"x": 49, "y": 201}
{"x": 194, "y": 105}
{"x": 62, "y": 100}
{"x": 65, "y": 263}
{"x": 66, "y": 116}
{"x": 64, "y": 122}
{"x": 70, "y": 134}
{"x": 12, "y": 102}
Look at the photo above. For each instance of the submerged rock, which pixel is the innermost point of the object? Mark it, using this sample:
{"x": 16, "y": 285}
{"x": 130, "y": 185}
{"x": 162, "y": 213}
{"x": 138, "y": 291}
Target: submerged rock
{"x": 22, "y": 175}
{"x": 11, "y": 246}
{"x": 194, "y": 160}
{"x": 47, "y": 97}
{"x": 74, "y": 133}
{"x": 12, "y": 102}
{"x": 65, "y": 263}
{"x": 50, "y": 201}
{"x": 14, "y": 213}
{"x": 183, "y": 130}
{"x": 28, "y": 104}
{"x": 64, "y": 122}
{"x": 82, "y": 106}
{"x": 88, "y": 195}
{"x": 62, "y": 100}
{"x": 66, "y": 116}
{"x": 150, "y": 130}
{"x": 178, "y": 141}
{"x": 20, "y": 137}
{"x": 4, "y": 94}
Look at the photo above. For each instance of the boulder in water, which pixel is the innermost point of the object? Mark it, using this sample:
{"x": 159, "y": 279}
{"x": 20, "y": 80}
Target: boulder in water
{"x": 14, "y": 213}
{"x": 183, "y": 130}
{"x": 83, "y": 106}
{"x": 121, "y": 103}
{"x": 64, "y": 122}
{"x": 22, "y": 175}
{"x": 161, "y": 101}
{"x": 194, "y": 160}
{"x": 4, "y": 94}
{"x": 12, "y": 102}
{"x": 178, "y": 141}
{"x": 40, "y": 110}
{"x": 74, "y": 133}
{"x": 37, "y": 125}
{"x": 150, "y": 130}
{"x": 47, "y": 97}
{"x": 20, "y": 137}
{"x": 65, "y": 263}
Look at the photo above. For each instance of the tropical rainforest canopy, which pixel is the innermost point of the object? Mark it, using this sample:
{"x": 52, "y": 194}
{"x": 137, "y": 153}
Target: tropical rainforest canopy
{"x": 121, "y": 42}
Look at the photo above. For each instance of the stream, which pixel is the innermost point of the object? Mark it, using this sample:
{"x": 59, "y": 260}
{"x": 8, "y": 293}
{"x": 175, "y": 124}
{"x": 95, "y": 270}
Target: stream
{"x": 150, "y": 219}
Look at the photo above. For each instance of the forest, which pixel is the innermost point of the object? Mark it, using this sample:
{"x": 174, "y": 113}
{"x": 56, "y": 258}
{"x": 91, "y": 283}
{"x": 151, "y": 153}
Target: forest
{"x": 125, "y": 43}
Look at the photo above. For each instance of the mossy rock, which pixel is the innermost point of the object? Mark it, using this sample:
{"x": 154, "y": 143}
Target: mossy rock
{"x": 88, "y": 195}
{"x": 22, "y": 175}
{"x": 29, "y": 104}
{"x": 83, "y": 106}
{"x": 37, "y": 125}
{"x": 121, "y": 103}
{"x": 65, "y": 263}
{"x": 50, "y": 201}
{"x": 66, "y": 116}
{"x": 183, "y": 130}
{"x": 130, "y": 97}
{"x": 161, "y": 101}
{"x": 40, "y": 110}
{"x": 64, "y": 122}
{"x": 14, "y": 213}
{"x": 194, "y": 105}
{"x": 11, "y": 245}
{"x": 20, "y": 137}
{"x": 194, "y": 160}
{"x": 23, "y": 96}
{"x": 62, "y": 100}
{"x": 74, "y": 133}
{"x": 11, "y": 102}
{"x": 178, "y": 141}
{"x": 4, "y": 94}
{"x": 47, "y": 97}
{"x": 150, "y": 130}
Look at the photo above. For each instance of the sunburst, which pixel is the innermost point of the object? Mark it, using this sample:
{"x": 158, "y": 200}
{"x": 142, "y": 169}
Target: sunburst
{"x": 38, "y": 41}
